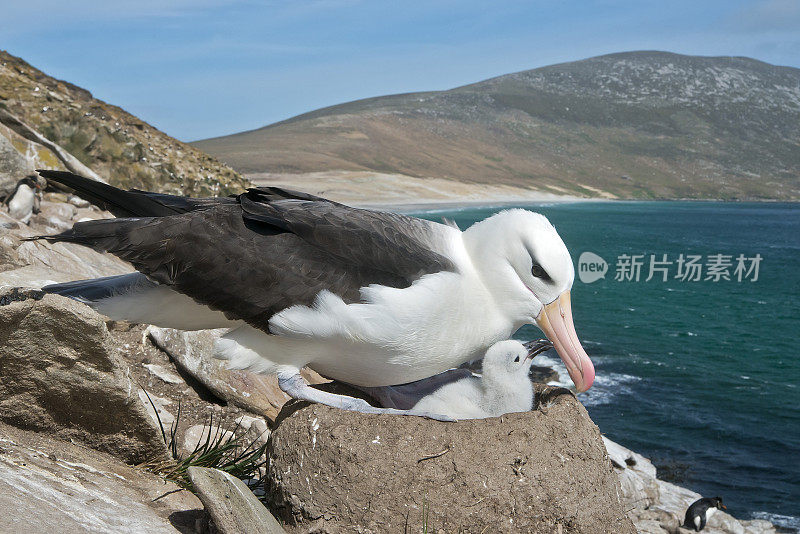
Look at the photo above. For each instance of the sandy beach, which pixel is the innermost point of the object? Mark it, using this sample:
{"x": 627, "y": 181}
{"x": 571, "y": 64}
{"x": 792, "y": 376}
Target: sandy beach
{"x": 404, "y": 193}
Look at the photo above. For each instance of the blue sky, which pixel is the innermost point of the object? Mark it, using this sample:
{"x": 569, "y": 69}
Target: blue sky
{"x": 201, "y": 68}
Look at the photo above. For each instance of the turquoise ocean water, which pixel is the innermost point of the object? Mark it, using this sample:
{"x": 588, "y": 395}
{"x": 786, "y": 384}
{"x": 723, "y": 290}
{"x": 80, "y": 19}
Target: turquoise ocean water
{"x": 700, "y": 376}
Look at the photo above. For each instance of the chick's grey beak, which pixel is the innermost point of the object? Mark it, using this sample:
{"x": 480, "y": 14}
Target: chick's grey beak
{"x": 537, "y": 347}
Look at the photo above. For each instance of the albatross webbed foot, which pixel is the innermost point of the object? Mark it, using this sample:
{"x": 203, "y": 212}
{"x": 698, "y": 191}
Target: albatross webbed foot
{"x": 296, "y": 387}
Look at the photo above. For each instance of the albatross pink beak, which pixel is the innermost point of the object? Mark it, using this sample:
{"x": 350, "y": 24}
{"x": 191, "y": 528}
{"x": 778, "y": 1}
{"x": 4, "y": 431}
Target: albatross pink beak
{"x": 555, "y": 320}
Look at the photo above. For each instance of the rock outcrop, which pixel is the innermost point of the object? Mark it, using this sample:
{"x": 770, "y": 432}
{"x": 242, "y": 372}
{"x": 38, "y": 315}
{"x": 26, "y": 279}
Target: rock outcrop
{"x": 13, "y": 166}
{"x": 40, "y": 143}
{"x": 541, "y": 471}
{"x": 61, "y": 373}
{"x": 37, "y": 263}
{"x": 658, "y": 507}
{"x": 51, "y": 486}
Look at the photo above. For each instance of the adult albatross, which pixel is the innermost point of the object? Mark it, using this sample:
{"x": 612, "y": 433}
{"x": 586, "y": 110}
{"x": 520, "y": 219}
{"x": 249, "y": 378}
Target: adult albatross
{"x": 360, "y": 296}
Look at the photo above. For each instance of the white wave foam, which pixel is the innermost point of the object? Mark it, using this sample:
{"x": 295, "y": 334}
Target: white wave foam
{"x": 606, "y": 385}
{"x": 788, "y": 522}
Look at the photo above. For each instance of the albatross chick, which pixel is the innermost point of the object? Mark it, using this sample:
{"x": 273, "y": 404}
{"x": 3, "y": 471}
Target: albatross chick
{"x": 503, "y": 387}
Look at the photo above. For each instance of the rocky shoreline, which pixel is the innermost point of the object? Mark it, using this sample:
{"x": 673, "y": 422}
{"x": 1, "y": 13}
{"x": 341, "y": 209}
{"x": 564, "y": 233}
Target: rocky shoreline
{"x": 84, "y": 403}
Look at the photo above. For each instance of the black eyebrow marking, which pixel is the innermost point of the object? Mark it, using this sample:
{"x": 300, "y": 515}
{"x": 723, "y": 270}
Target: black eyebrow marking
{"x": 534, "y": 263}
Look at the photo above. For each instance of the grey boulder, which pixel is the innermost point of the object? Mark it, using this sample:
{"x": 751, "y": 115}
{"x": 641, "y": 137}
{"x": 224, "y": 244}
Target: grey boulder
{"x": 62, "y": 373}
{"x": 51, "y": 486}
{"x": 232, "y": 506}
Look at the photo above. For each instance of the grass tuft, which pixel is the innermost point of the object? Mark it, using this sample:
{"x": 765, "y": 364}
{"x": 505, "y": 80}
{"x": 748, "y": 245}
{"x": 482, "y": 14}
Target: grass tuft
{"x": 220, "y": 449}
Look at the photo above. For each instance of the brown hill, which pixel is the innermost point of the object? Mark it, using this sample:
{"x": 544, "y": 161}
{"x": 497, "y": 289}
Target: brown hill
{"x": 633, "y": 125}
{"x": 119, "y": 147}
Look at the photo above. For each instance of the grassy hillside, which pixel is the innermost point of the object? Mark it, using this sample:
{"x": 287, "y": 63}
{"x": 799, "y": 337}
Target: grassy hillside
{"x": 118, "y": 146}
{"x": 632, "y": 125}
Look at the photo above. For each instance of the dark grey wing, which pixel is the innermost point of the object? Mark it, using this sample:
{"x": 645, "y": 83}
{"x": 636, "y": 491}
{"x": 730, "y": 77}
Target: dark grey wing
{"x": 253, "y": 266}
{"x": 404, "y": 246}
{"x": 133, "y": 202}
{"x": 270, "y": 193}
{"x": 137, "y": 203}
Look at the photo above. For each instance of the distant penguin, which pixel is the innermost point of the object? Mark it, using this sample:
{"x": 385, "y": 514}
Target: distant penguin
{"x": 701, "y": 511}
{"x": 24, "y": 200}
{"x": 503, "y": 387}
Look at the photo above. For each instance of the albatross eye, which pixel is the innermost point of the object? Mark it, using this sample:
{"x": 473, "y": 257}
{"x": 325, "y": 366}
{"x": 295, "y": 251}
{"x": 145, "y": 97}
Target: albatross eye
{"x": 516, "y": 360}
{"x": 537, "y": 271}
